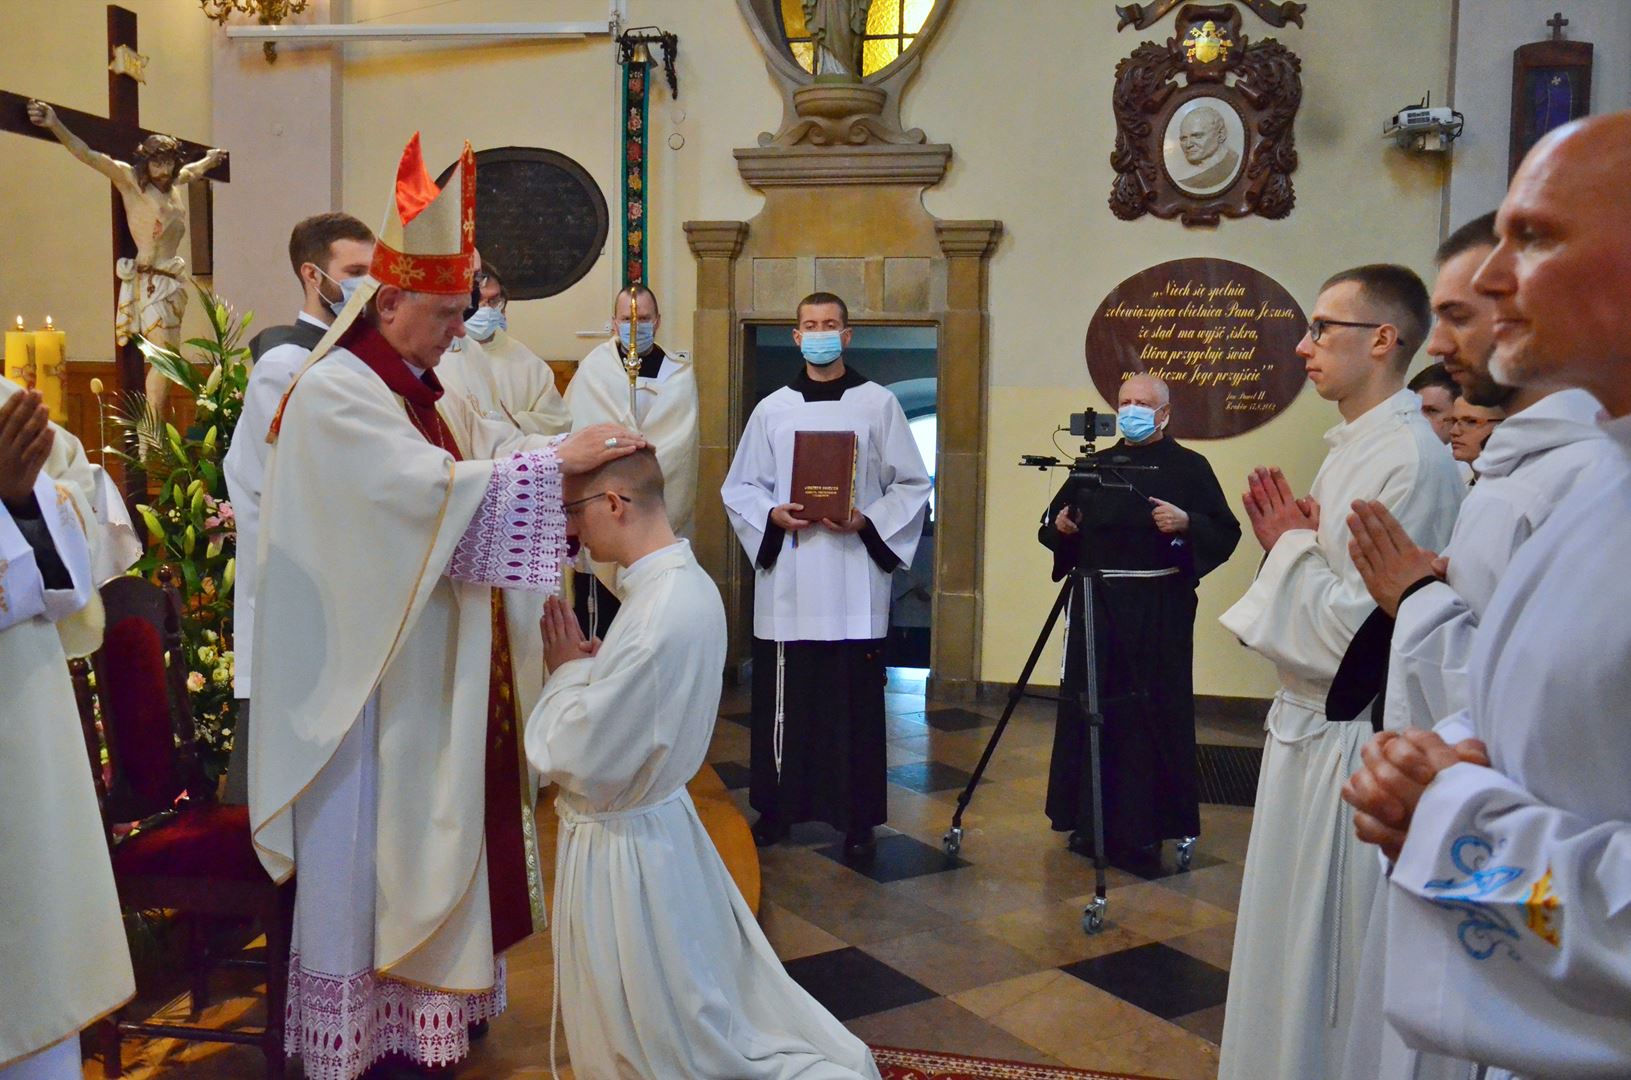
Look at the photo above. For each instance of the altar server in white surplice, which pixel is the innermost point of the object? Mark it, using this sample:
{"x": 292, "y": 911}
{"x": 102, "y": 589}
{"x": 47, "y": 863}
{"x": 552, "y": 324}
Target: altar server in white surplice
{"x": 1308, "y": 888}
{"x": 1531, "y": 461}
{"x": 821, "y": 589}
{"x": 660, "y": 969}
{"x": 386, "y": 765}
{"x": 1509, "y": 825}
{"x": 664, "y": 412}
{"x": 501, "y": 378}
{"x": 62, "y": 941}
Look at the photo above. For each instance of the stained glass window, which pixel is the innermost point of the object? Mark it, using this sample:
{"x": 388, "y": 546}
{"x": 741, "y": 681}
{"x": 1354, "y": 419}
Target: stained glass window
{"x": 891, "y": 27}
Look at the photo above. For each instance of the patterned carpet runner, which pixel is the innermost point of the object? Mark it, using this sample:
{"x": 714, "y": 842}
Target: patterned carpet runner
{"x": 897, "y": 1064}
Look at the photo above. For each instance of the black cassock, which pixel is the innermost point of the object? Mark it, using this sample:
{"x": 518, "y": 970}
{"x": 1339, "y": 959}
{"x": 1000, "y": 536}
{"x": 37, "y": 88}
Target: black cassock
{"x": 1145, "y": 627}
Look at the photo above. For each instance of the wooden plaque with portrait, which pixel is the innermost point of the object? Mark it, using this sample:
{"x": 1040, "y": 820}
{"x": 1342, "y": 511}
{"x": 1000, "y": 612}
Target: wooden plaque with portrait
{"x": 1204, "y": 123}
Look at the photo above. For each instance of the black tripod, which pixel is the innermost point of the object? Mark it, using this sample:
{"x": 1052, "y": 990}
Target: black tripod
{"x": 1076, "y": 591}
{"x": 1076, "y": 594}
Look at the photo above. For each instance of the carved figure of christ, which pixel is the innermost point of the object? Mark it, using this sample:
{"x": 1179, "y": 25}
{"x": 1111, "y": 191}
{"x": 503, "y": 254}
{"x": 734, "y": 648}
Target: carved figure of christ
{"x": 152, "y": 296}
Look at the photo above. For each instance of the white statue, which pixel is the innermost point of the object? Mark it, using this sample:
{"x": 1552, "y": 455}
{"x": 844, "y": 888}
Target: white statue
{"x": 152, "y": 296}
{"x": 836, "y": 33}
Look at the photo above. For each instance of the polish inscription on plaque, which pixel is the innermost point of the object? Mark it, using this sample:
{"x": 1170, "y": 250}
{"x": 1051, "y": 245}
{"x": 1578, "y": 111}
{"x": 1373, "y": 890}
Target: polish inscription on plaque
{"x": 1222, "y": 335}
{"x": 540, "y": 218}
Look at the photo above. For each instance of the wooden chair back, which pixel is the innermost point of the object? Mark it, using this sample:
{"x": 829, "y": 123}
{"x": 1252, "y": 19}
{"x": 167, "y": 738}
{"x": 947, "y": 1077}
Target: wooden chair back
{"x": 141, "y": 687}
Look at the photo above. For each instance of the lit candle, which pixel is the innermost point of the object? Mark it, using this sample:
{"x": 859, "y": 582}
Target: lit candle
{"x": 20, "y": 356}
{"x": 49, "y": 375}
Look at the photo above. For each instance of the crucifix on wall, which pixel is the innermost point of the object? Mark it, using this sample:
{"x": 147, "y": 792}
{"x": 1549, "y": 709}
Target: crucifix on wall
{"x": 150, "y": 273}
{"x": 1551, "y": 85}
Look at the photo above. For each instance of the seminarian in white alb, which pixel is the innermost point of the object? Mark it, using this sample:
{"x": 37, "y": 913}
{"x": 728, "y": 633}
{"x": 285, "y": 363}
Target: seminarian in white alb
{"x": 553, "y": 591}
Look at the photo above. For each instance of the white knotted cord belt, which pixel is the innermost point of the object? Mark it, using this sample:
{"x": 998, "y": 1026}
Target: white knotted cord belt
{"x": 781, "y": 705}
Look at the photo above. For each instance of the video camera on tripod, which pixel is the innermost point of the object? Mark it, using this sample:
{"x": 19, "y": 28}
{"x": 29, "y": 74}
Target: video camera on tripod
{"x": 1085, "y": 468}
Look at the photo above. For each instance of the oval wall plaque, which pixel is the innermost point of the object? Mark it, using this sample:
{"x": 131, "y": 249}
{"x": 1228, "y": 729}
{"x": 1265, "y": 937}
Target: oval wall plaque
{"x": 1221, "y": 334}
{"x": 540, "y": 218}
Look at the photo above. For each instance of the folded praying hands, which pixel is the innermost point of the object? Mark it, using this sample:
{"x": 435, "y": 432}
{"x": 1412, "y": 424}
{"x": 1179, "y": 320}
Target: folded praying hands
{"x": 563, "y": 638}
{"x": 1386, "y": 557}
{"x": 1398, "y": 767}
{"x": 25, "y": 443}
{"x": 1273, "y": 510}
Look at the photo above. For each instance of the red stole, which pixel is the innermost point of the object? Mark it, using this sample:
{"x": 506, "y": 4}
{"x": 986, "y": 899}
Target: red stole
{"x": 508, "y": 882}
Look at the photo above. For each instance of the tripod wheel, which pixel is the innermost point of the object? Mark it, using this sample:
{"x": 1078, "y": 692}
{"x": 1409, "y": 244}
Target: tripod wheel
{"x": 952, "y": 842}
{"x": 1186, "y": 852}
{"x": 1093, "y": 916}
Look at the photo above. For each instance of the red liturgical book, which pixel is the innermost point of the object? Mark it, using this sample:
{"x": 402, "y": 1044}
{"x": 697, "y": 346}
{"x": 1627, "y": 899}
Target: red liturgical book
{"x": 824, "y": 474}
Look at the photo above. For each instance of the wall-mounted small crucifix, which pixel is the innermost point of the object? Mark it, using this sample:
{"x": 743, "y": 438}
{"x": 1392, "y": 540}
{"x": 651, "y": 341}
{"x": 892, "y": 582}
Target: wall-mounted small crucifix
{"x": 1551, "y": 85}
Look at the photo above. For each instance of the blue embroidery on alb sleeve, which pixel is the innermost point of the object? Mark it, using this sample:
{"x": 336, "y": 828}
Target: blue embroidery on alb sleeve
{"x": 1483, "y": 928}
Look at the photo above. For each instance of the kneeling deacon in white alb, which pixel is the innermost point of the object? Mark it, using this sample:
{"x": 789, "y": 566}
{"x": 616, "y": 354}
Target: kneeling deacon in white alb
{"x": 660, "y": 969}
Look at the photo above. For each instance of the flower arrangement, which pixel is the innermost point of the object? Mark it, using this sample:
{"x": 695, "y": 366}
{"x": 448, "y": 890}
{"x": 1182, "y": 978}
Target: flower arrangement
{"x": 190, "y": 521}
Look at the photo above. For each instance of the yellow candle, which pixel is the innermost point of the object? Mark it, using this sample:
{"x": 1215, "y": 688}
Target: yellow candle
{"x": 49, "y": 373}
{"x": 20, "y": 356}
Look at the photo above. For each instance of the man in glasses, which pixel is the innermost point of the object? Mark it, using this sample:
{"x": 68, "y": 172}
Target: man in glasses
{"x": 1307, "y": 888}
{"x": 662, "y": 970}
{"x": 1470, "y": 428}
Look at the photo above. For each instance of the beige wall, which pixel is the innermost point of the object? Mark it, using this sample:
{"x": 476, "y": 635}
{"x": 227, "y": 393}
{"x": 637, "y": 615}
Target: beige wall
{"x": 1019, "y": 89}
{"x": 1036, "y": 156}
{"x": 55, "y": 252}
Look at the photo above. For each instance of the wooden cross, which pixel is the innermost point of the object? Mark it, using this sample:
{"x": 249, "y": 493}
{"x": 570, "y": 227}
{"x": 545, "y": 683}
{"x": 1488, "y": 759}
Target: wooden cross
{"x": 1557, "y": 22}
{"x": 116, "y": 135}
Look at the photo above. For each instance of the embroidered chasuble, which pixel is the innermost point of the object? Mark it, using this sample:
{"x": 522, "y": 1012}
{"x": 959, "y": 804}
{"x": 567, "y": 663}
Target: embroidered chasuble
{"x": 515, "y": 894}
{"x": 384, "y": 758}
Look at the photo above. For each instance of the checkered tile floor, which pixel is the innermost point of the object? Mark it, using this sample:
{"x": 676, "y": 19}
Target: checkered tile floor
{"x": 984, "y": 953}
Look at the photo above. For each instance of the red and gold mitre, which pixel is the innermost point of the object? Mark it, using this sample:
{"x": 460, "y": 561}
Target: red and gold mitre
{"x": 427, "y": 245}
{"x": 428, "y": 241}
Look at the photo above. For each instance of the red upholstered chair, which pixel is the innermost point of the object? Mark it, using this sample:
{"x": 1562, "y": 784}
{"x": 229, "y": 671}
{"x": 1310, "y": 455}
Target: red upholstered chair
{"x": 197, "y": 858}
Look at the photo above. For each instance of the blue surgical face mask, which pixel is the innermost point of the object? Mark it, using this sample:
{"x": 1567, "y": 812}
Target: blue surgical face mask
{"x": 644, "y": 334}
{"x": 821, "y": 347}
{"x": 485, "y": 322}
{"x": 346, "y": 287}
{"x": 1137, "y": 422}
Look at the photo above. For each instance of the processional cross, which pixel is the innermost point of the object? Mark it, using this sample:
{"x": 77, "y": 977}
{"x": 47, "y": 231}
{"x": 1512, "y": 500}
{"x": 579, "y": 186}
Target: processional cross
{"x": 116, "y": 136}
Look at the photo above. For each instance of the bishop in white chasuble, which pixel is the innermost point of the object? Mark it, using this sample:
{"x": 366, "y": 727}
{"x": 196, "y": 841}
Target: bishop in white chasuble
{"x": 385, "y": 764}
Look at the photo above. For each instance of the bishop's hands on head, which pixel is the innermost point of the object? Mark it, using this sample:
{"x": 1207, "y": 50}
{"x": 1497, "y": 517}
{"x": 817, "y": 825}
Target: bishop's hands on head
{"x": 594, "y": 446}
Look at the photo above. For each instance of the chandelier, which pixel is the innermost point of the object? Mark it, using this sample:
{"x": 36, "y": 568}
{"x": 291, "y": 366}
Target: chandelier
{"x": 266, "y": 12}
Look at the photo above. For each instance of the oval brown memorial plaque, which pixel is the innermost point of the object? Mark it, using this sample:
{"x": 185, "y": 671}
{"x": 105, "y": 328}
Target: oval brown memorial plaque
{"x": 1221, "y": 334}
